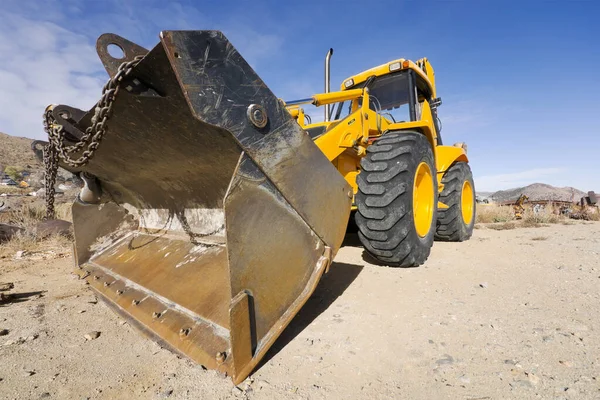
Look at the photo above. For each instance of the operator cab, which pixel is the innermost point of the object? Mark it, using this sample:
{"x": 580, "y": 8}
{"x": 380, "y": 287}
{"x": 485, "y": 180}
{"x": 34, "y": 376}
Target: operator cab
{"x": 396, "y": 92}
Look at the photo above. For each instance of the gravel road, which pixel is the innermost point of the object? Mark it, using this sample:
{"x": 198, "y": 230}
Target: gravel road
{"x": 507, "y": 315}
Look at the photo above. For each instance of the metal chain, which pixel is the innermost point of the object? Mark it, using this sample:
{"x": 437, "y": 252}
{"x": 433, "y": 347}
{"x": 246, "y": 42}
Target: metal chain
{"x": 56, "y": 148}
{"x": 193, "y": 235}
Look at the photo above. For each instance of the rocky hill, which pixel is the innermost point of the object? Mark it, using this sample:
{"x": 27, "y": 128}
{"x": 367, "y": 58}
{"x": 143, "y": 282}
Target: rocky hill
{"x": 539, "y": 191}
{"x": 16, "y": 151}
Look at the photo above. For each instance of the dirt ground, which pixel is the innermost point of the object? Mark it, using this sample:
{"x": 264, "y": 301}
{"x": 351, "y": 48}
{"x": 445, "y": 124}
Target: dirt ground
{"x": 507, "y": 315}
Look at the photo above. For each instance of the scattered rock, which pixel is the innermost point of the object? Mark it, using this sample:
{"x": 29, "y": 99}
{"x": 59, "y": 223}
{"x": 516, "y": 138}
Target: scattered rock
{"x": 4, "y": 332}
{"x": 483, "y": 285}
{"x": 28, "y": 373}
{"x": 53, "y": 227}
{"x": 248, "y": 384}
{"x": 44, "y": 395}
{"x": 464, "y": 379}
{"x": 523, "y": 384}
{"x": 91, "y": 335}
{"x": 237, "y": 392}
{"x": 31, "y": 337}
{"x": 567, "y": 364}
{"x": 547, "y": 339}
{"x": 8, "y": 231}
{"x": 19, "y": 254}
{"x": 447, "y": 360}
{"x": 15, "y": 341}
{"x": 262, "y": 384}
{"x": 80, "y": 311}
{"x": 167, "y": 393}
{"x": 6, "y": 286}
{"x": 534, "y": 379}
{"x": 93, "y": 300}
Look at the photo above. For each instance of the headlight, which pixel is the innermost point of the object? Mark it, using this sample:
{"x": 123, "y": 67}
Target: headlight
{"x": 348, "y": 83}
{"x": 395, "y": 66}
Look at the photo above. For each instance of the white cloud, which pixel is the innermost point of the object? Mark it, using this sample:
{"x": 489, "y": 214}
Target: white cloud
{"x": 44, "y": 63}
{"x": 516, "y": 179}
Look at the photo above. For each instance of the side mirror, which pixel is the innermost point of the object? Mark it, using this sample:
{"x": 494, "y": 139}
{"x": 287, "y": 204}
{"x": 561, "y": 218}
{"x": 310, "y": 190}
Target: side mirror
{"x": 435, "y": 103}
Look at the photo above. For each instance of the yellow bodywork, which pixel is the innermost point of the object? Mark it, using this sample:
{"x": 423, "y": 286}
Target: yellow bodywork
{"x": 345, "y": 141}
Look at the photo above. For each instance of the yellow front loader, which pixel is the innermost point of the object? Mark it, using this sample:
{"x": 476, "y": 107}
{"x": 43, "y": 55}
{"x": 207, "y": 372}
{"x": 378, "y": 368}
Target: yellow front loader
{"x": 209, "y": 213}
{"x": 384, "y": 138}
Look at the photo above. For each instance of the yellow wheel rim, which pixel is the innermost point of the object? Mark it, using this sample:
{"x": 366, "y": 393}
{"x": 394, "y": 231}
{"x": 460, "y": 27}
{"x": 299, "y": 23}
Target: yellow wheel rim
{"x": 466, "y": 200}
{"x": 423, "y": 196}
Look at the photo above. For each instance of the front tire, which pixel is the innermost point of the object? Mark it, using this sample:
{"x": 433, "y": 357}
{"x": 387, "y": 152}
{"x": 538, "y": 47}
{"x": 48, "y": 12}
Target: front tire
{"x": 397, "y": 199}
{"x": 455, "y": 223}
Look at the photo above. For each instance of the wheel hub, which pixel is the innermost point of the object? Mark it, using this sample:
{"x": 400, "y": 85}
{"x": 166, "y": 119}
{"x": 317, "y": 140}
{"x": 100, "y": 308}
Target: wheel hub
{"x": 423, "y": 197}
{"x": 466, "y": 199}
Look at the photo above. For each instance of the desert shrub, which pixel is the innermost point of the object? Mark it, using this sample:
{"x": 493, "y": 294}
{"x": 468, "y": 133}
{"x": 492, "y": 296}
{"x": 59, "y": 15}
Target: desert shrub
{"x": 27, "y": 217}
{"x": 13, "y": 172}
{"x": 29, "y": 214}
{"x": 503, "y": 226}
{"x": 544, "y": 215}
{"x": 587, "y": 214}
{"x": 594, "y": 216}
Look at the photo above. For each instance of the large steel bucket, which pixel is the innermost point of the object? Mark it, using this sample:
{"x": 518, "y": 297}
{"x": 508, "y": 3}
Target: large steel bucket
{"x": 211, "y": 230}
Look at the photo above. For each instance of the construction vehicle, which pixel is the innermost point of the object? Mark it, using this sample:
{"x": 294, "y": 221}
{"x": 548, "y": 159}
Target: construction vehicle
{"x": 384, "y": 137}
{"x": 518, "y": 207}
{"x": 210, "y": 210}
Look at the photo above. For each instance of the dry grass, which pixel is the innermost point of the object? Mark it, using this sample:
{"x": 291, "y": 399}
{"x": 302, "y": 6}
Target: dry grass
{"x": 493, "y": 214}
{"x": 543, "y": 216}
{"x": 539, "y": 238}
{"x": 594, "y": 216}
{"x": 490, "y": 213}
{"x": 532, "y": 224}
{"x": 587, "y": 215}
{"x": 503, "y": 226}
{"x": 28, "y": 243}
{"x": 14, "y": 190}
{"x": 27, "y": 216}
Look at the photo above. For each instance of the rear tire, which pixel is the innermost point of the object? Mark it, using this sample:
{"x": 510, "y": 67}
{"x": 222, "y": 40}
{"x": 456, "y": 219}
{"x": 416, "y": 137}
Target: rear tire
{"x": 388, "y": 193}
{"x": 455, "y": 223}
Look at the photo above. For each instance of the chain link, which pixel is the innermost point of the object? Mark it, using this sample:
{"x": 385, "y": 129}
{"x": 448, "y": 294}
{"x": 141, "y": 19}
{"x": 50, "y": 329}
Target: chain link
{"x": 90, "y": 141}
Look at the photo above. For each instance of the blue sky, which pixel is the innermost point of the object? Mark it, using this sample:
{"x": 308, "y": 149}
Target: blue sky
{"x": 518, "y": 78}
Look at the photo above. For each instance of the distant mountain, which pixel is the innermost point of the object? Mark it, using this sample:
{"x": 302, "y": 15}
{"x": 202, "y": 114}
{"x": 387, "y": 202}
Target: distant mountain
{"x": 16, "y": 151}
{"x": 539, "y": 191}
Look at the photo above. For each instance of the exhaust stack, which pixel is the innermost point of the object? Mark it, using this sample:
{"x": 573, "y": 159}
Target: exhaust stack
{"x": 328, "y": 81}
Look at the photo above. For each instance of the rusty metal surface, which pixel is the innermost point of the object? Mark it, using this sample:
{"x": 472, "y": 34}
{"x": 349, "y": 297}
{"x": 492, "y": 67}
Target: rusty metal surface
{"x": 156, "y": 154}
{"x": 275, "y": 264}
{"x": 130, "y": 51}
{"x": 217, "y": 214}
{"x": 273, "y": 268}
{"x": 161, "y": 321}
{"x": 195, "y": 277}
{"x": 218, "y": 82}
